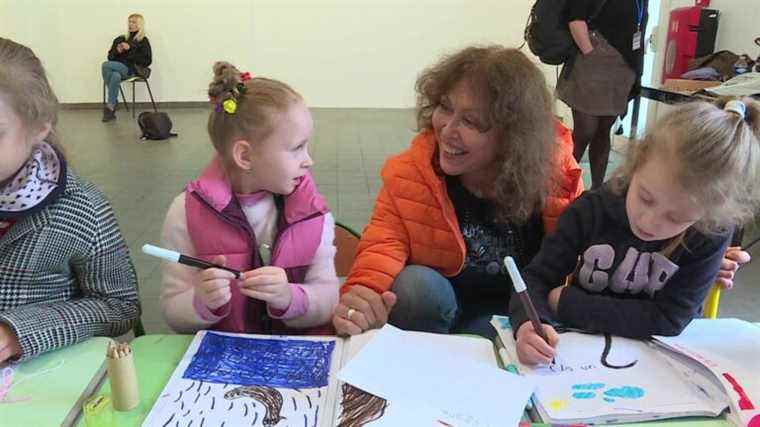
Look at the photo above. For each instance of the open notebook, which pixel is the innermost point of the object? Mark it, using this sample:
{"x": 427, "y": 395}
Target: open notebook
{"x": 259, "y": 380}
{"x": 607, "y": 379}
{"x": 730, "y": 350}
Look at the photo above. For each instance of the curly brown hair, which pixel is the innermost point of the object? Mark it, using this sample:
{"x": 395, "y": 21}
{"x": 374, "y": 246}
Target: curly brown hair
{"x": 519, "y": 107}
{"x": 257, "y": 107}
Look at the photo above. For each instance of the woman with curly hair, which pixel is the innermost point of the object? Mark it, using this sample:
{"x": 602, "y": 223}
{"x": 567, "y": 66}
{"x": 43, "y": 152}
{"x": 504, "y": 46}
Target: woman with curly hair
{"x": 487, "y": 175}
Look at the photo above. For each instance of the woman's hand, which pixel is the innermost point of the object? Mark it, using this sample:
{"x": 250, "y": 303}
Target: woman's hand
{"x": 124, "y": 46}
{"x": 360, "y": 309}
{"x": 213, "y": 288}
{"x": 268, "y": 284}
{"x": 531, "y": 348}
{"x": 9, "y": 345}
{"x": 735, "y": 257}
{"x": 579, "y": 32}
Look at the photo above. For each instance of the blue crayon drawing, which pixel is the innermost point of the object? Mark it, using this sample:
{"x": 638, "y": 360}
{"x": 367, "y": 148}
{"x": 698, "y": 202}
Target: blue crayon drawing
{"x": 625, "y": 392}
{"x": 290, "y": 364}
{"x": 587, "y": 391}
{"x": 584, "y": 395}
{"x": 588, "y": 386}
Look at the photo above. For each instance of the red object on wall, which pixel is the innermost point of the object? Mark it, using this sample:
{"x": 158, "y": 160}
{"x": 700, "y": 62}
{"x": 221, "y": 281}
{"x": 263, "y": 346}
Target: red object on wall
{"x": 691, "y": 34}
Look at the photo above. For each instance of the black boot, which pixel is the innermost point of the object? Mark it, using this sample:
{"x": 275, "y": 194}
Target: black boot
{"x": 108, "y": 114}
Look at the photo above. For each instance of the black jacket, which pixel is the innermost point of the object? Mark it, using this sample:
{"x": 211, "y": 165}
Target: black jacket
{"x": 139, "y": 52}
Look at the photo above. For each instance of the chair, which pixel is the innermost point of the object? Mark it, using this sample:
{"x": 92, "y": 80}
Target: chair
{"x": 710, "y": 308}
{"x": 712, "y": 301}
{"x": 346, "y": 242}
{"x": 134, "y": 80}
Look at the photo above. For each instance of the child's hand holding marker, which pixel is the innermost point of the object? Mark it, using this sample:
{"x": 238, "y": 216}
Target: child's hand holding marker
{"x": 213, "y": 288}
{"x": 532, "y": 349}
{"x": 535, "y": 341}
{"x": 268, "y": 284}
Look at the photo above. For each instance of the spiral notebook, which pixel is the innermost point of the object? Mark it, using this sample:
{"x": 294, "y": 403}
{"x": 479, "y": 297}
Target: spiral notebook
{"x": 608, "y": 379}
{"x": 730, "y": 350}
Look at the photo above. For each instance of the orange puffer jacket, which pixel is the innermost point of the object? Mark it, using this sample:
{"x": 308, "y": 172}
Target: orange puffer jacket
{"x": 414, "y": 221}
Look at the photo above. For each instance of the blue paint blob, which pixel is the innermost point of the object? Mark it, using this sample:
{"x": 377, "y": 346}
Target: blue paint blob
{"x": 584, "y": 395}
{"x": 625, "y": 392}
{"x": 588, "y": 386}
{"x": 607, "y": 399}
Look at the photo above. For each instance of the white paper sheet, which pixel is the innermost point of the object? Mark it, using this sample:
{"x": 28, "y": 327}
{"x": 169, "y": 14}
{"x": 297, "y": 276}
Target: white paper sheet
{"x": 457, "y": 375}
{"x": 741, "y": 85}
{"x": 293, "y": 392}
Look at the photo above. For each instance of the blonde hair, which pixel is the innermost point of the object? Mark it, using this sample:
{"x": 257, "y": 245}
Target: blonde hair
{"x": 140, "y": 27}
{"x": 519, "y": 107}
{"x": 716, "y": 159}
{"x": 25, "y": 87}
{"x": 257, "y": 105}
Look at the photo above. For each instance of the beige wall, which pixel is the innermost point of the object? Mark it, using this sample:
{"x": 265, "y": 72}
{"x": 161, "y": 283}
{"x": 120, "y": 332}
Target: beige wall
{"x": 338, "y": 53}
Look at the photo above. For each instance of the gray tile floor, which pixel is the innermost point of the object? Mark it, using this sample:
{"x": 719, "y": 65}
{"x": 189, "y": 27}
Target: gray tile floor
{"x": 349, "y": 148}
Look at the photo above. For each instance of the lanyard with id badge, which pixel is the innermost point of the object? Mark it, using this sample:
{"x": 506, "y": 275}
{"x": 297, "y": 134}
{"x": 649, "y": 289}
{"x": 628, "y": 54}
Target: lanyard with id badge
{"x": 638, "y": 35}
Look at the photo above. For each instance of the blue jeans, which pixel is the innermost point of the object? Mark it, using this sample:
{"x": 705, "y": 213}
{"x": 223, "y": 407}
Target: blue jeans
{"x": 426, "y": 301}
{"x": 113, "y": 73}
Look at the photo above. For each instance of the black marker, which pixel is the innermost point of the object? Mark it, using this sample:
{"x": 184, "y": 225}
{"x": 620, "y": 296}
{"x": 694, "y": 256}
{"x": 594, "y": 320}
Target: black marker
{"x": 184, "y": 259}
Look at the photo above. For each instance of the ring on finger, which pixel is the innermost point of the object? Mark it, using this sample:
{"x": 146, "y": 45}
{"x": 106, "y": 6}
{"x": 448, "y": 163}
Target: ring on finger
{"x": 350, "y": 313}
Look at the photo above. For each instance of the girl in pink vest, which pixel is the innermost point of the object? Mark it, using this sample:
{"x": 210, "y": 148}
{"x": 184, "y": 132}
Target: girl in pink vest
{"x": 255, "y": 209}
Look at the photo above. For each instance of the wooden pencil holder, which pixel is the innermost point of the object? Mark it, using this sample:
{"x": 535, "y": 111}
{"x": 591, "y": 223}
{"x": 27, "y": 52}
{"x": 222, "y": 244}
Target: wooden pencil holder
{"x": 121, "y": 370}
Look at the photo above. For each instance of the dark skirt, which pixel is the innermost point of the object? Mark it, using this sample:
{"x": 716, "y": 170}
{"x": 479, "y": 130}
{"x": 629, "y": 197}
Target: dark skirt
{"x": 599, "y": 83}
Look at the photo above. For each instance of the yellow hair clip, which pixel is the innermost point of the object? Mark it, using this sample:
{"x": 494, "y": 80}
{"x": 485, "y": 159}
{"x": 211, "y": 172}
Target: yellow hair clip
{"x": 229, "y": 105}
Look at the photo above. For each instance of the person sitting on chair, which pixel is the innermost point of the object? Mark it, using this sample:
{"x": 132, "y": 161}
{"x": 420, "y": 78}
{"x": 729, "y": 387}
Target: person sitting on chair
{"x": 130, "y": 55}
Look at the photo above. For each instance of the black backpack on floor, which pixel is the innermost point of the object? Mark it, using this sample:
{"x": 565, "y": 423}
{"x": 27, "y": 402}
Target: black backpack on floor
{"x": 155, "y": 125}
{"x": 547, "y": 34}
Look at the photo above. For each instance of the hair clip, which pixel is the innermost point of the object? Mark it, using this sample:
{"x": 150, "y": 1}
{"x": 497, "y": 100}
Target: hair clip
{"x": 736, "y": 106}
{"x": 244, "y": 77}
{"x": 229, "y": 105}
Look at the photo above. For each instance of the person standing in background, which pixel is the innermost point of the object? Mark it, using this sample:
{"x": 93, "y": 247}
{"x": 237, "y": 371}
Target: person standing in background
{"x": 598, "y": 83}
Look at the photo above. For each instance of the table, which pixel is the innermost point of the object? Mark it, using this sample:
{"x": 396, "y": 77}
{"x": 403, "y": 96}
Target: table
{"x": 48, "y": 389}
{"x": 156, "y": 357}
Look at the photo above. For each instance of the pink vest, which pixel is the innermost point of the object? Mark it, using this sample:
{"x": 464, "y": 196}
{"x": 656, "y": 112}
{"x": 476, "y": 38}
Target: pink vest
{"x": 218, "y": 226}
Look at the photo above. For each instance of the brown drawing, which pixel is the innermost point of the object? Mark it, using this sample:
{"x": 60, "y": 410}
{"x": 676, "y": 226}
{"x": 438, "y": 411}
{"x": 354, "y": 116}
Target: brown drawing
{"x": 268, "y": 396}
{"x": 359, "y": 407}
